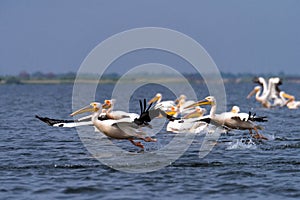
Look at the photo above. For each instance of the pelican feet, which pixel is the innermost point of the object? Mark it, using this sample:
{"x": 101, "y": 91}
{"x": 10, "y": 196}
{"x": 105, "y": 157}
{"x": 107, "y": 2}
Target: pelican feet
{"x": 138, "y": 144}
{"x": 149, "y": 139}
{"x": 259, "y": 136}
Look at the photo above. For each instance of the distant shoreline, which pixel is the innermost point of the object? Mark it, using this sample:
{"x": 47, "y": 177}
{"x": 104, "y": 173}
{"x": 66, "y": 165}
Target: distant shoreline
{"x": 140, "y": 80}
{"x": 69, "y": 78}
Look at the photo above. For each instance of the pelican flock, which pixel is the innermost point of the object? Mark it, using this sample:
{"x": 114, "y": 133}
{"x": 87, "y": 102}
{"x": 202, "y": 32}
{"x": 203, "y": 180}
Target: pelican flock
{"x": 183, "y": 115}
{"x": 269, "y": 95}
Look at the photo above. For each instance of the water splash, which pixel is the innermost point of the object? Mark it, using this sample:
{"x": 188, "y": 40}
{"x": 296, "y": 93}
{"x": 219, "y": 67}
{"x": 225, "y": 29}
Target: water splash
{"x": 242, "y": 144}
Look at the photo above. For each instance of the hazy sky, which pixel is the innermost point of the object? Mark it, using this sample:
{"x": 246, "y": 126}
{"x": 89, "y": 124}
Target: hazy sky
{"x": 241, "y": 36}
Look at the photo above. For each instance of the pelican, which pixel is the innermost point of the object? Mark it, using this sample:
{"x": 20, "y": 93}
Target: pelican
{"x": 230, "y": 121}
{"x": 274, "y": 91}
{"x": 173, "y": 111}
{"x": 115, "y": 128}
{"x": 189, "y": 123}
{"x": 263, "y": 83}
{"x": 289, "y": 100}
{"x": 246, "y": 116}
{"x": 109, "y": 104}
{"x": 163, "y": 105}
{"x": 263, "y": 99}
{"x": 182, "y": 103}
{"x": 147, "y": 114}
{"x": 270, "y": 91}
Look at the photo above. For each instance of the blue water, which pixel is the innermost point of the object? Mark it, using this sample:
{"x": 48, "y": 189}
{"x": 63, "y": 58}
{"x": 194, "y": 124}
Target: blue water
{"x": 38, "y": 161}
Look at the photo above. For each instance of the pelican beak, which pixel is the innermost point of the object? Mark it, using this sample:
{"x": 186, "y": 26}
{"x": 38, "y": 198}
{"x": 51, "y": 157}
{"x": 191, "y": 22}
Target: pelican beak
{"x": 154, "y": 99}
{"x": 172, "y": 112}
{"x": 88, "y": 108}
{"x": 199, "y": 103}
{"x": 285, "y": 95}
{"x": 193, "y": 114}
{"x": 251, "y": 93}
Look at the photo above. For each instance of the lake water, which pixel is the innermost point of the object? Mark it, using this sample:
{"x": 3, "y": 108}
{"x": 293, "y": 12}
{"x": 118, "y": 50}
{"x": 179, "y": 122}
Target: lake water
{"x": 38, "y": 161}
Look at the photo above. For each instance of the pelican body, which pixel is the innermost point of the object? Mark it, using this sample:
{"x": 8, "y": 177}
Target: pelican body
{"x": 116, "y": 129}
{"x": 163, "y": 105}
{"x": 227, "y": 120}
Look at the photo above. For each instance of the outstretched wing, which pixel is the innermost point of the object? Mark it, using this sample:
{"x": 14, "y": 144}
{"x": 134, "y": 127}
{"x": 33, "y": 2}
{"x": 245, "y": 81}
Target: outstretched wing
{"x": 147, "y": 114}
{"x": 129, "y": 128}
{"x": 52, "y": 122}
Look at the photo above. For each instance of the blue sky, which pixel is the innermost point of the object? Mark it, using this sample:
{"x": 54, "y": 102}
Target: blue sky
{"x": 241, "y": 36}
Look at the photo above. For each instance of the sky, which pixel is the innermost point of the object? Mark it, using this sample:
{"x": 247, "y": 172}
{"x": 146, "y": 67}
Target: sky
{"x": 250, "y": 36}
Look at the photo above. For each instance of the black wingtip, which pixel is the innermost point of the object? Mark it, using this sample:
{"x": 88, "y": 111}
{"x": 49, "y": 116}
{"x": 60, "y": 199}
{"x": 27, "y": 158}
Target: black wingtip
{"x": 45, "y": 120}
{"x": 141, "y": 106}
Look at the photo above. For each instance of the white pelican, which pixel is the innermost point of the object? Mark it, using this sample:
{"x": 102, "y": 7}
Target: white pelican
{"x": 246, "y": 116}
{"x": 115, "y": 128}
{"x": 182, "y": 103}
{"x": 143, "y": 119}
{"x": 263, "y": 99}
{"x": 188, "y": 123}
{"x": 173, "y": 111}
{"x": 263, "y": 83}
{"x": 163, "y": 105}
{"x": 109, "y": 105}
{"x": 274, "y": 91}
{"x": 270, "y": 91}
{"x": 230, "y": 121}
{"x": 289, "y": 101}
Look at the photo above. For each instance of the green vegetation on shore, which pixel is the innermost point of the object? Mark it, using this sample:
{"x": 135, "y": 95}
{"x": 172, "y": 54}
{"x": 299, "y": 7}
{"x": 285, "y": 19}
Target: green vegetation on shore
{"x": 51, "y": 78}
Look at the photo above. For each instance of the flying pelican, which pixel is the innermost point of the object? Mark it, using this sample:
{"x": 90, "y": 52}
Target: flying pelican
{"x": 229, "y": 122}
{"x": 115, "y": 128}
{"x": 263, "y": 99}
{"x": 147, "y": 114}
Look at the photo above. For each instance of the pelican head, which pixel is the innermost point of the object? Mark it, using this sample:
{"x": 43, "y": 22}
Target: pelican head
{"x": 108, "y": 103}
{"x": 258, "y": 80}
{"x": 181, "y": 98}
{"x": 93, "y": 107}
{"x": 276, "y": 80}
{"x": 210, "y": 100}
{"x": 235, "y": 109}
{"x": 157, "y": 98}
{"x": 172, "y": 111}
{"x": 254, "y": 91}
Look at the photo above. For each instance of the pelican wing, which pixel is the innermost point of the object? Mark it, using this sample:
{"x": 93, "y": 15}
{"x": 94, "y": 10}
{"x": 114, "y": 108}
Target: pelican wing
{"x": 84, "y": 121}
{"x": 129, "y": 128}
{"x": 255, "y": 118}
{"x": 125, "y": 124}
{"x": 52, "y": 122}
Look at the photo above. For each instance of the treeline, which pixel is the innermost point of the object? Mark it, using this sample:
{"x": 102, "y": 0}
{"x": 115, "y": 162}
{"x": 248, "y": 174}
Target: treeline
{"x": 36, "y": 77}
{"x": 40, "y": 77}
{"x": 25, "y": 76}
